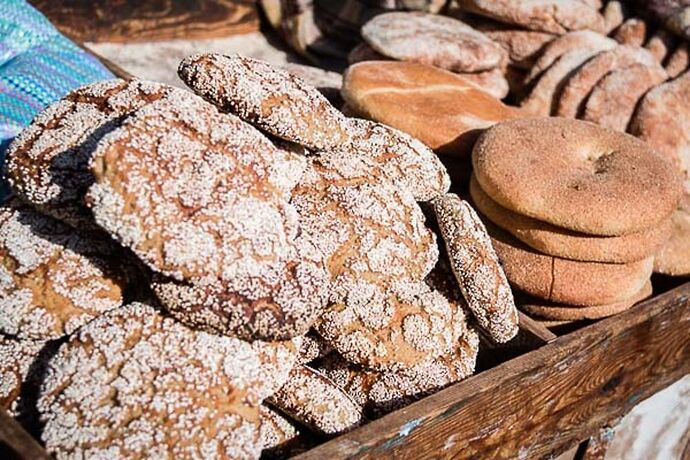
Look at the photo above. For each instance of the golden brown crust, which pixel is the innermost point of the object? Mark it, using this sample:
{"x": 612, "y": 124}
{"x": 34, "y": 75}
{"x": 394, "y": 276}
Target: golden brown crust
{"x": 272, "y": 99}
{"x": 406, "y": 96}
{"x": 567, "y": 281}
{"x": 574, "y": 94}
{"x": 613, "y": 99}
{"x": 16, "y": 360}
{"x": 554, "y": 16}
{"x": 576, "y": 175}
{"x": 674, "y": 257}
{"x": 476, "y": 268}
{"x": 567, "y": 244}
{"x": 573, "y": 41}
{"x": 542, "y": 99}
{"x": 314, "y": 400}
{"x": 190, "y": 191}
{"x": 378, "y": 252}
{"x": 48, "y": 163}
{"x": 53, "y": 279}
{"x": 382, "y": 392}
{"x": 558, "y": 312}
{"x": 431, "y": 39}
{"x": 136, "y": 383}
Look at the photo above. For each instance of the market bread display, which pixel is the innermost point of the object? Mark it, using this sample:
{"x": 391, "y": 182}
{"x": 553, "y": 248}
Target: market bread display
{"x": 249, "y": 267}
{"x": 248, "y": 240}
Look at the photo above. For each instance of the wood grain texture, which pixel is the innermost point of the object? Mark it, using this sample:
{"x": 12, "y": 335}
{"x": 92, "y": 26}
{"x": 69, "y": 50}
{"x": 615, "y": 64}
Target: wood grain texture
{"x": 17, "y": 443}
{"x": 543, "y": 402}
{"x": 142, "y": 20}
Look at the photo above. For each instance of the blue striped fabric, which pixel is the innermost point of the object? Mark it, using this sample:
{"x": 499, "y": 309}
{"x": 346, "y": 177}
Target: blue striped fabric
{"x": 38, "y": 65}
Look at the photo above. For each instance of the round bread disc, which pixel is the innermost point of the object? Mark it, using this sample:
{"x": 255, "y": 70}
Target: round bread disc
{"x": 432, "y": 39}
{"x": 612, "y": 102}
{"x": 270, "y": 98}
{"x": 48, "y": 162}
{"x": 383, "y": 392}
{"x": 567, "y": 281}
{"x": 476, "y": 268}
{"x": 557, "y": 312}
{"x": 573, "y": 41}
{"x": 136, "y": 383}
{"x": 554, "y": 16}
{"x": 522, "y": 46}
{"x": 189, "y": 190}
{"x": 54, "y": 278}
{"x": 16, "y": 360}
{"x": 407, "y": 95}
{"x": 560, "y": 242}
{"x": 674, "y": 257}
{"x": 316, "y": 402}
{"x": 576, "y": 175}
{"x": 574, "y": 93}
{"x": 542, "y": 99}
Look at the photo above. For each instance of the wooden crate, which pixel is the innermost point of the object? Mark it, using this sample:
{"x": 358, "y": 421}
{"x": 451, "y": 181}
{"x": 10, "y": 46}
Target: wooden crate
{"x": 535, "y": 397}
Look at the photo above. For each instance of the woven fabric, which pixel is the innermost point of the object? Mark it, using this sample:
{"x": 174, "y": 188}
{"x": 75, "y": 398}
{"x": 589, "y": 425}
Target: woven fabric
{"x": 38, "y": 65}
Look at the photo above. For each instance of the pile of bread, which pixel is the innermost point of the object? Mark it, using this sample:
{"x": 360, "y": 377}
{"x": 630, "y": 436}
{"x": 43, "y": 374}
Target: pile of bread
{"x": 573, "y": 59}
{"x": 239, "y": 270}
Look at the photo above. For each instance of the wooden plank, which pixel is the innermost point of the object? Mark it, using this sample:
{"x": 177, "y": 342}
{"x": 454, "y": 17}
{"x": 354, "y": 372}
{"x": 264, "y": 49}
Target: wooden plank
{"x": 136, "y": 20}
{"x": 543, "y": 402}
{"x": 535, "y": 328}
{"x": 17, "y": 443}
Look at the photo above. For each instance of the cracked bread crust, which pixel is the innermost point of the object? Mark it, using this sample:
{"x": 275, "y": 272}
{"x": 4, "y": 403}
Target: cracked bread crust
{"x": 53, "y": 279}
{"x": 271, "y": 98}
{"x": 48, "y": 163}
{"x": 134, "y": 383}
{"x": 190, "y": 191}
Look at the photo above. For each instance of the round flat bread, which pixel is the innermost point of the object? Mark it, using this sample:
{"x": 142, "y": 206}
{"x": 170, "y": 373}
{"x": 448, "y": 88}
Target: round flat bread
{"x": 567, "y": 281}
{"x": 576, "y": 175}
{"x": 567, "y": 244}
{"x": 556, "y": 312}
{"x": 432, "y": 39}
{"x": 554, "y": 16}
{"x": 613, "y": 99}
{"x": 134, "y": 382}
{"x": 574, "y": 93}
